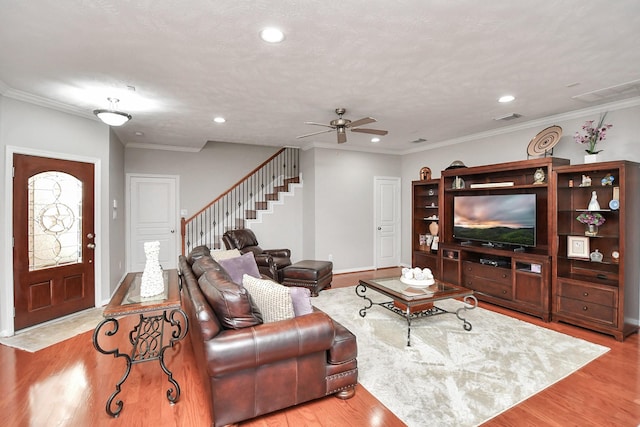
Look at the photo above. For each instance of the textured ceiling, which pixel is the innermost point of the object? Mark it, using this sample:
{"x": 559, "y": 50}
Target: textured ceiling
{"x": 429, "y": 69}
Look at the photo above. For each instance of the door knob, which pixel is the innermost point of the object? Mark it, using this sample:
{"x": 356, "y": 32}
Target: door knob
{"x": 91, "y": 246}
{"x": 90, "y": 236}
{"x": 379, "y": 228}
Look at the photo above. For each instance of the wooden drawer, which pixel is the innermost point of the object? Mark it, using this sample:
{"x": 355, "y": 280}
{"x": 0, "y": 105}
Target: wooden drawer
{"x": 497, "y": 274}
{"x": 588, "y": 311}
{"x": 489, "y": 287}
{"x": 588, "y": 293}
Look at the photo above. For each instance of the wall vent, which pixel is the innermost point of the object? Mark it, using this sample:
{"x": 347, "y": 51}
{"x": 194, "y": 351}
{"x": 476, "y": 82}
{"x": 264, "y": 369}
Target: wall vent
{"x": 509, "y": 116}
{"x": 624, "y": 90}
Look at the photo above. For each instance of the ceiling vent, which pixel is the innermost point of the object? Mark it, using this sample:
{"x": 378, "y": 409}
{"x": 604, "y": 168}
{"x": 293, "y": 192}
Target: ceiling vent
{"x": 418, "y": 141}
{"x": 509, "y": 116}
{"x": 623, "y": 90}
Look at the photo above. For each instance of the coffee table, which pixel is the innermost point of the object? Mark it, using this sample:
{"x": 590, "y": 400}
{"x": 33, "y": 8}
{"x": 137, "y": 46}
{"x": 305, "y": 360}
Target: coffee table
{"x": 412, "y": 302}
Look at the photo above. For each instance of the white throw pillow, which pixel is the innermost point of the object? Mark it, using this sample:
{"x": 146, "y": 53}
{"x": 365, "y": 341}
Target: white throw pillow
{"x": 273, "y": 299}
{"x": 225, "y": 254}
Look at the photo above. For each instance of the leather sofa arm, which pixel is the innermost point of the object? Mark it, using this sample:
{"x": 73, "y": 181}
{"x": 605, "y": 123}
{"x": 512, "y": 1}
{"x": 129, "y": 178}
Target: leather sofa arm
{"x": 238, "y": 349}
{"x": 284, "y": 253}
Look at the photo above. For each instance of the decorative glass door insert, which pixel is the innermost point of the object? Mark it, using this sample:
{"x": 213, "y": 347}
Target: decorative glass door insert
{"x": 55, "y": 218}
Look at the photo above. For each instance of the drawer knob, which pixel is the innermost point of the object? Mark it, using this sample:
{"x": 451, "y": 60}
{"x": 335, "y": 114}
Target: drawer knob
{"x": 585, "y": 294}
{"x": 585, "y": 308}
{"x": 504, "y": 276}
{"x": 504, "y": 292}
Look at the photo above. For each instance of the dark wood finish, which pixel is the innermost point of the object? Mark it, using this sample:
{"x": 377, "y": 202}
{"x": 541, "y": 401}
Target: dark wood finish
{"x": 598, "y": 295}
{"x": 513, "y": 283}
{"x": 424, "y": 204}
{"x": 66, "y": 384}
{"x": 45, "y": 294}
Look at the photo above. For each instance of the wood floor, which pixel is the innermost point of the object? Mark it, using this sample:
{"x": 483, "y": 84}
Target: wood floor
{"x": 68, "y": 384}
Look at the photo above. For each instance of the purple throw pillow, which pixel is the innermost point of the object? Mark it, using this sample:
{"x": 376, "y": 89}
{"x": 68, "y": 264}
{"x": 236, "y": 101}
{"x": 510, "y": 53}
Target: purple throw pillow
{"x": 301, "y": 298}
{"x": 236, "y": 267}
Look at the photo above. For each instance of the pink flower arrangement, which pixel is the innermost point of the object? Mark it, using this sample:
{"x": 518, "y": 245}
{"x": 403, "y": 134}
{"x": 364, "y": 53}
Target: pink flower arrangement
{"x": 593, "y": 134}
{"x": 591, "y": 218}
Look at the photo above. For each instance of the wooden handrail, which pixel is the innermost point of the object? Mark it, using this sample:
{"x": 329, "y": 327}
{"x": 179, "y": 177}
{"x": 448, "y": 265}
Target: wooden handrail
{"x": 236, "y": 184}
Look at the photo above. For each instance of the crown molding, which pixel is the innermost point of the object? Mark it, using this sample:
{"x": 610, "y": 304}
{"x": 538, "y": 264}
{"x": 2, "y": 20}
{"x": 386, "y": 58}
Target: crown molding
{"x": 147, "y": 146}
{"x": 46, "y": 102}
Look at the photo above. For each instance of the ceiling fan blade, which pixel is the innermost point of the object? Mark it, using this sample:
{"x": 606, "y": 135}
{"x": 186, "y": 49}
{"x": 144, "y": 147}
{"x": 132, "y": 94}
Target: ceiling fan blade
{"x": 342, "y": 137}
{"x": 315, "y": 133}
{"x": 319, "y": 124}
{"x": 373, "y": 131}
{"x": 362, "y": 121}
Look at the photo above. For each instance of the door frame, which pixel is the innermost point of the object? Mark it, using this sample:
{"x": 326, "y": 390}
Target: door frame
{"x": 7, "y": 325}
{"x": 398, "y": 234}
{"x": 128, "y": 233}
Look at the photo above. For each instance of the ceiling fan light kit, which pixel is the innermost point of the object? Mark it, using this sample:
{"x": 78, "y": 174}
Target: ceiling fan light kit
{"x": 112, "y": 116}
{"x": 340, "y": 125}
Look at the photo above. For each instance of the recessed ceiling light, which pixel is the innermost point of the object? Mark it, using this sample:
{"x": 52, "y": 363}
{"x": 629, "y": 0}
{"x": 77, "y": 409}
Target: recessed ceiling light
{"x": 219, "y": 120}
{"x": 138, "y": 133}
{"x": 272, "y": 35}
{"x": 506, "y": 98}
{"x": 375, "y": 139}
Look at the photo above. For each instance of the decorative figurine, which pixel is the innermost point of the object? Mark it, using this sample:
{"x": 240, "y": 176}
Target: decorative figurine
{"x": 538, "y": 176}
{"x": 425, "y": 174}
{"x": 586, "y": 181}
{"x": 596, "y": 256}
{"x": 593, "y": 203}
{"x": 607, "y": 180}
{"x": 458, "y": 183}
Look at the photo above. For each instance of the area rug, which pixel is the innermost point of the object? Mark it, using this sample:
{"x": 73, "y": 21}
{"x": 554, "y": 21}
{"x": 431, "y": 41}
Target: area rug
{"x": 41, "y": 336}
{"x": 450, "y": 376}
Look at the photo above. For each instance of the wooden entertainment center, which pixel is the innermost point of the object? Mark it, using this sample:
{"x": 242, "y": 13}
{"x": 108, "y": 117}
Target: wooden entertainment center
{"x": 544, "y": 279}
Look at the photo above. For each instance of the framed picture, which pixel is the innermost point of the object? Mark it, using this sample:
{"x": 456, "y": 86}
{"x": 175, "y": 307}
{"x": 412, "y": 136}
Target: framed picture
{"x": 578, "y": 247}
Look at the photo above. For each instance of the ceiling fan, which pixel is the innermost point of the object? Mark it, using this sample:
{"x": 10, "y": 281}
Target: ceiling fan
{"x": 341, "y": 125}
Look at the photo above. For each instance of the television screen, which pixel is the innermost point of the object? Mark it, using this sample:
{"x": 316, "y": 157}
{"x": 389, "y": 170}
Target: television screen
{"x": 496, "y": 219}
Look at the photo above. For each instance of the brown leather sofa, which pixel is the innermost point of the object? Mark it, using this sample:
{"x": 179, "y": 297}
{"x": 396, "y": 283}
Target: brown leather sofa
{"x": 252, "y": 368}
{"x": 270, "y": 261}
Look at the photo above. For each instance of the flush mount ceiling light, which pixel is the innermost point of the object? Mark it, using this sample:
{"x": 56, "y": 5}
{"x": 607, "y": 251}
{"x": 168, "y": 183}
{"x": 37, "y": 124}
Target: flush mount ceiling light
{"x": 272, "y": 35}
{"x": 375, "y": 139}
{"x": 506, "y": 98}
{"x": 219, "y": 119}
{"x": 112, "y": 116}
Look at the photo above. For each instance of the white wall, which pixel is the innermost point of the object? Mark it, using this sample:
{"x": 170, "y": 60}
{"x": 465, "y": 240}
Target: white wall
{"x": 343, "y": 200}
{"x": 117, "y": 227}
{"x": 281, "y": 226}
{"x": 31, "y": 129}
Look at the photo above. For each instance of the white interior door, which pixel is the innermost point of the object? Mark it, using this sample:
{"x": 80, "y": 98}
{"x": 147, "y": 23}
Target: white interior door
{"x": 153, "y": 216}
{"x": 387, "y": 221}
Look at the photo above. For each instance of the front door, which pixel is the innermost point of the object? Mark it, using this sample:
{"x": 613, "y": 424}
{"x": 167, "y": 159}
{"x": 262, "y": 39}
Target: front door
{"x": 53, "y": 252}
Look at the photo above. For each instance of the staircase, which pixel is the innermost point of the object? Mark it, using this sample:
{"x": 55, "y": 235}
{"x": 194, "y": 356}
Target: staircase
{"x": 243, "y": 201}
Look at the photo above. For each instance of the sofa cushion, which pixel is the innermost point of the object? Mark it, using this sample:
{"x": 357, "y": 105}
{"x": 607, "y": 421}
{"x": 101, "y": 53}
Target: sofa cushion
{"x": 197, "y": 252}
{"x": 225, "y": 254}
{"x": 234, "y": 307}
{"x": 203, "y": 264}
{"x": 301, "y": 299}
{"x": 239, "y": 266}
{"x": 273, "y": 299}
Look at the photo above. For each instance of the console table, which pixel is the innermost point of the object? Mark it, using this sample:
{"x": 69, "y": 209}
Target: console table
{"x": 161, "y": 324}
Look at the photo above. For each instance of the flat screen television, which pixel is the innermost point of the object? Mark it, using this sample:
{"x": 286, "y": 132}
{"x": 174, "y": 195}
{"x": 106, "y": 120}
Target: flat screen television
{"x": 496, "y": 219}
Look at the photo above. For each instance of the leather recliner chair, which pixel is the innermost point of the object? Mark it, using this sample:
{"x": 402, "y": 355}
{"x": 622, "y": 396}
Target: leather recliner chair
{"x": 270, "y": 261}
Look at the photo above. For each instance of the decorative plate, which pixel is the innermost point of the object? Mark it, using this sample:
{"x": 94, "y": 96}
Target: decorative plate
{"x": 544, "y": 141}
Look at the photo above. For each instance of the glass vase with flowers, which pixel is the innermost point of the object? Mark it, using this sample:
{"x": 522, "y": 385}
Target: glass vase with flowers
{"x": 592, "y": 220}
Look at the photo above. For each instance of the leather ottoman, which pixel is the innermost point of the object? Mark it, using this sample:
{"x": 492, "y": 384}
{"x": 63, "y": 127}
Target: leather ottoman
{"x": 313, "y": 275}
